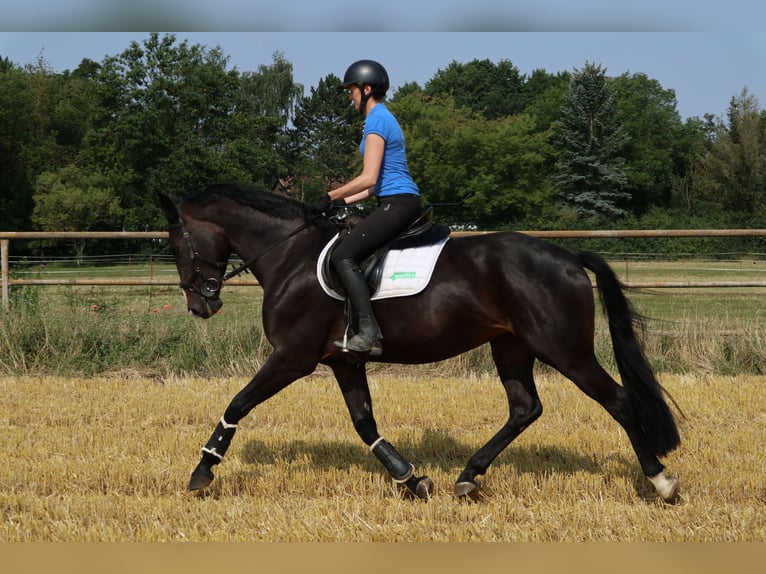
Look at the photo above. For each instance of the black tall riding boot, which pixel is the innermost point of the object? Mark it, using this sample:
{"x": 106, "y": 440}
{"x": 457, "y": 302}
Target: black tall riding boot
{"x": 368, "y": 335}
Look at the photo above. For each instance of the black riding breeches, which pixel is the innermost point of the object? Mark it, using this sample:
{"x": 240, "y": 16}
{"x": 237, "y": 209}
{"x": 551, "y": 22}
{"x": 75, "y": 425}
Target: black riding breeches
{"x": 394, "y": 214}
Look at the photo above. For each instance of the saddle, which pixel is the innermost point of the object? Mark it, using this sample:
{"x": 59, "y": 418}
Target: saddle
{"x": 422, "y": 232}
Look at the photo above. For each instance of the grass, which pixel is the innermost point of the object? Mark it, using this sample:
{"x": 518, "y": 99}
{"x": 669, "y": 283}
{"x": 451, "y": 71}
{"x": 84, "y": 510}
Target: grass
{"x": 108, "y": 459}
{"x": 92, "y": 330}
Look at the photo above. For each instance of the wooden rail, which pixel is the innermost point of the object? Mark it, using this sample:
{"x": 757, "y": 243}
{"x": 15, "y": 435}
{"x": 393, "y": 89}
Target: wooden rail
{"x": 7, "y": 236}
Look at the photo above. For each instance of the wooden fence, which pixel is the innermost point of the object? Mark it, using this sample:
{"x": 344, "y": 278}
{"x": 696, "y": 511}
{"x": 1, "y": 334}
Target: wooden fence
{"x": 7, "y": 236}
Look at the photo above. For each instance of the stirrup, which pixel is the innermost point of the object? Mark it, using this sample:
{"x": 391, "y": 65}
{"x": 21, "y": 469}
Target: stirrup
{"x": 354, "y": 342}
{"x": 375, "y": 347}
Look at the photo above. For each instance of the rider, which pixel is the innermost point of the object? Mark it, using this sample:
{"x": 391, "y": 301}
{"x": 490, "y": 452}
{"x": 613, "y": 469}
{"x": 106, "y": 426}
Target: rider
{"x": 385, "y": 176}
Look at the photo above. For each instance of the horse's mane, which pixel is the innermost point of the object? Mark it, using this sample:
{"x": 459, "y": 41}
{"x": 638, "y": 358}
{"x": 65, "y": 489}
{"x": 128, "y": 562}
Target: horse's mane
{"x": 267, "y": 202}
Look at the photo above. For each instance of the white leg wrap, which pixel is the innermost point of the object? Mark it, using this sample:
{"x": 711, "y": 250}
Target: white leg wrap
{"x": 213, "y": 452}
{"x": 376, "y": 443}
{"x": 226, "y": 425}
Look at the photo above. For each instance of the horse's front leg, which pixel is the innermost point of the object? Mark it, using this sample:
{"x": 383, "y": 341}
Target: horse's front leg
{"x": 352, "y": 380}
{"x": 514, "y": 365}
{"x": 277, "y": 373}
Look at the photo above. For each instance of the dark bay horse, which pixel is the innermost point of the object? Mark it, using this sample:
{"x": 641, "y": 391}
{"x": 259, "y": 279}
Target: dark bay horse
{"x": 528, "y": 298}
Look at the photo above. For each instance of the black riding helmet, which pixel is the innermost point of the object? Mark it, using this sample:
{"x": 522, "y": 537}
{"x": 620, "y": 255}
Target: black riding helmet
{"x": 366, "y": 73}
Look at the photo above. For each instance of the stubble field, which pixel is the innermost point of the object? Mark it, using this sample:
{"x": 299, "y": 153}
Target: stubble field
{"x": 108, "y": 459}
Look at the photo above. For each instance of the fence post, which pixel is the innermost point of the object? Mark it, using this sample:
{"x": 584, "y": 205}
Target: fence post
{"x": 4, "y": 272}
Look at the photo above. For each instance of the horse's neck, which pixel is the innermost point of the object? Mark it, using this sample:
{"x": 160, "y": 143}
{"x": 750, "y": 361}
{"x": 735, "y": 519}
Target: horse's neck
{"x": 276, "y": 247}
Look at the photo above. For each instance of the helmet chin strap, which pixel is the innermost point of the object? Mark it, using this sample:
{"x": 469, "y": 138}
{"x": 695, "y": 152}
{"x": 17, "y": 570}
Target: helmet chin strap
{"x": 364, "y": 97}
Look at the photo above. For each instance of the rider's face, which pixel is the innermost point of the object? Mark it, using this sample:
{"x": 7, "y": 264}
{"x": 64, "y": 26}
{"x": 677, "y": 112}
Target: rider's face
{"x": 355, "y": 95}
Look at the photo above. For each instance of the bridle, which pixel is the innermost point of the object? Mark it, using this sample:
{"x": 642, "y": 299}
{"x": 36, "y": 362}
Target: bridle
{"x": 211, "y": 286}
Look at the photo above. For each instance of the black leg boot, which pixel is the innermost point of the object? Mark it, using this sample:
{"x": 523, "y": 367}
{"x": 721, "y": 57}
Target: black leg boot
{"x": 368, "y": 335}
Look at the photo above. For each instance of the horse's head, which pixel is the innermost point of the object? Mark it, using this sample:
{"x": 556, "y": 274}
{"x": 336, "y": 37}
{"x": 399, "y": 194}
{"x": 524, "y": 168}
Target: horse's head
{"x": 201, "y": 253}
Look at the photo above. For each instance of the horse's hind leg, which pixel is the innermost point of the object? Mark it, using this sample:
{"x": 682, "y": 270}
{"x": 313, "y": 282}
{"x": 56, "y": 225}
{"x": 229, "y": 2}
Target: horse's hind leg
{"x": 352, "y": 380}
{"x": 514, "y": 365}
{"x": 595, "y": 382}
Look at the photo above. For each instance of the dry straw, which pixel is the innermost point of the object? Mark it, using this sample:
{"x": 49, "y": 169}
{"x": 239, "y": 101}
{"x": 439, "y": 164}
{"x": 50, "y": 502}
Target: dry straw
{"x": 108, "y": 459}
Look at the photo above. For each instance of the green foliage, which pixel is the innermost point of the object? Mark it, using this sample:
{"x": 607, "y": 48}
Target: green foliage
{"x": 169, "y": 116}
{"x": 545, "y": 95}
{"x": 71, "y": 200}
{"x": 590, "y": 174}
{"x": 15, "y": 113}
{"x": 648, "y": 116}
{"x": 324, "y": 138}
{"x": 68, "y": 333}
{"x": 173, "y": 119}
{"x": 735, "y": 162}
{"x": 270, "y": 91}
{"x": 479, "y": 173}
{"x": 491, "y": 90}
{"x": 665, "y": 247}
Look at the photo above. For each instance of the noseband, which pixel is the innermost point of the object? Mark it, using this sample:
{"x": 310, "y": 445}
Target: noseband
{"x": 211, "y": 286}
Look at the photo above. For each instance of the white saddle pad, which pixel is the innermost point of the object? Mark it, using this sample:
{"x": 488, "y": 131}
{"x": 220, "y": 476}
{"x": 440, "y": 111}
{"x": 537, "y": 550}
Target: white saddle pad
{"x": 405, "y": 271}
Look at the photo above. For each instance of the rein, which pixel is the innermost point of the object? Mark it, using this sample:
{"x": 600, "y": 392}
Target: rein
{"x": 237, "y": 270}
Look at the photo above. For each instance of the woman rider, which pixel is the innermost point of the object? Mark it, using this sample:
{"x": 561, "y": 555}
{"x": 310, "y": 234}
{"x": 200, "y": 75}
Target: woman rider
{"x": 385, "y": 176}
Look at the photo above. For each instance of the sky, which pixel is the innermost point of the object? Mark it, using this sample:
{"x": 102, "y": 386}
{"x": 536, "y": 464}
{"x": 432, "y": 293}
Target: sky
{"x": 706, "y": 51}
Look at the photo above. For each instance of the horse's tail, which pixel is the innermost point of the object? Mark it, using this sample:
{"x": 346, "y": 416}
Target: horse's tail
{"x": 657, "y": 420}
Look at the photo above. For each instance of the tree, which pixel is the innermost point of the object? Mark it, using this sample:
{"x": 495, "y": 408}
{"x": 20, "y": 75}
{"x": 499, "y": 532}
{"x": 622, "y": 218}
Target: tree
{"x": 15, "y": 112}
{"x": 271, "y": 90}
{"x": 492, "y": 90}
{"x": 736, "y": 160}
{"x": 689, "y": 178}
{"x": 324, "y": 138}
{"x": 479, "y": 172}
{"x": 513, "y": 164}
{"x": 590, "y": 174}
{"x": 42, "y": 118}
{"x": 160, "y": 106}
{"x": 649, "y": 118}
{"x": 174, "y": 118}
{"x": 72, "y": 200}
{"x": 544, "y": 97}
{"x": 266, "y": 104}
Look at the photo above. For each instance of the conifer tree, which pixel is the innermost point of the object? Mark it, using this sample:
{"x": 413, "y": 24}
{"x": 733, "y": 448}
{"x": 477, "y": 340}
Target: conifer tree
{"x": 590, "y": 174}
{"x": 324, "y": 138}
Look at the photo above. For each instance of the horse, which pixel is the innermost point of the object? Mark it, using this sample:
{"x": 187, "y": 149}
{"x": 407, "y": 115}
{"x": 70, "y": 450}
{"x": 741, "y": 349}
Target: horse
{"x": 529, "y": 299}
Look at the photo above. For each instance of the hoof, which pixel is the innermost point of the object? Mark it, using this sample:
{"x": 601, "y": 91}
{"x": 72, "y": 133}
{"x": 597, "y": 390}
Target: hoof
{"x": 421, "y": 488}
{"x": 673, "y": 494}
{"x": 425, "y": 488}
{"x": 467, "y": 489}
{"x": 200, "y": 479}
{"x": 669, "y": 489}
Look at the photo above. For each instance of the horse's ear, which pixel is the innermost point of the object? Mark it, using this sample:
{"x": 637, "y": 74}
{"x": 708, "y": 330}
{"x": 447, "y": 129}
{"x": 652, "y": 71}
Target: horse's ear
{"x": 169, "y": 205}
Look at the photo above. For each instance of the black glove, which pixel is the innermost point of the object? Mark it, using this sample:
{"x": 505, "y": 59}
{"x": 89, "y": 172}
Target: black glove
{"x": 325, "y": 205}
{"x": 320, "y": 205}
{"x": 335, "y": 205}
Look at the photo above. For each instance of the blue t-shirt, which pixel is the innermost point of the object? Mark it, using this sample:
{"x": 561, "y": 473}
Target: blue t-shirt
{"x": 394, "y": 176}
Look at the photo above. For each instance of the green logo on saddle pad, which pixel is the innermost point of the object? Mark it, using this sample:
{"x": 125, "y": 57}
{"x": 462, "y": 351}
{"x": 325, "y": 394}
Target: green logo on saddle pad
{"x": 403, "y": 275}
